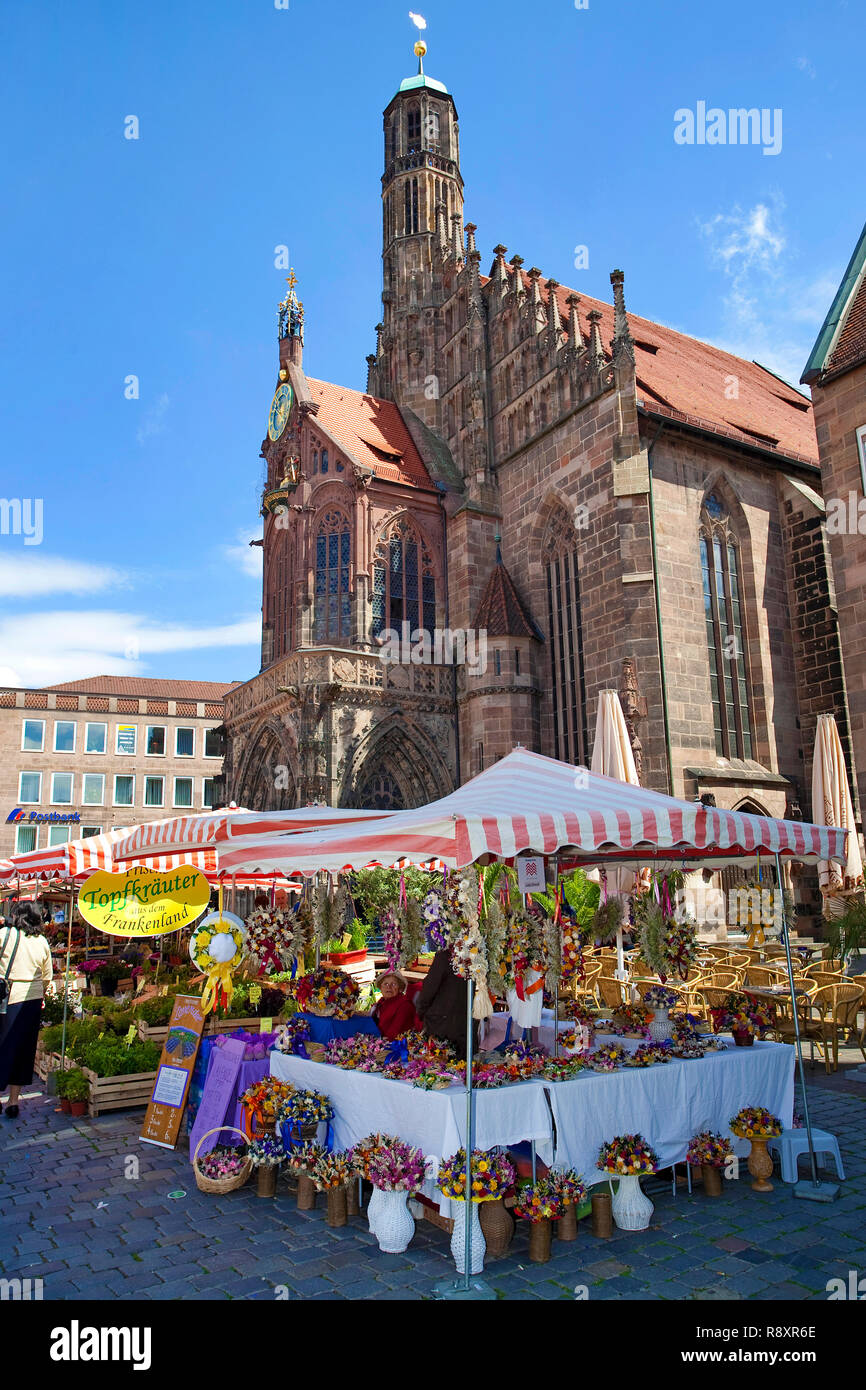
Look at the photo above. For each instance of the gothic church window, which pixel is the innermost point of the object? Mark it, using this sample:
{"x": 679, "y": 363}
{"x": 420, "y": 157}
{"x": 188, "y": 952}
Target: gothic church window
{"x": 413, "y": 129}
{"x": 333, "y": 614}
{"x": 721, "y": 576}
{"x": 324, "y": 460}
{"x": 565, "y": 640}
{"x": 432, "y": 129}
{"x": 404, "y": 586}
{"x": 410, "y": 196}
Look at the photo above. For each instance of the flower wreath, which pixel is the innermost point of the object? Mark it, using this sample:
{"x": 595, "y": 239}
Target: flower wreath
{"x": 216, "y": 947}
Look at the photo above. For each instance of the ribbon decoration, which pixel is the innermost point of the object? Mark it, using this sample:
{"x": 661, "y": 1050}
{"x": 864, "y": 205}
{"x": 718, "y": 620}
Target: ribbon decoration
{"x": 219, "y": 987}
{"x": 398, "y": 1052}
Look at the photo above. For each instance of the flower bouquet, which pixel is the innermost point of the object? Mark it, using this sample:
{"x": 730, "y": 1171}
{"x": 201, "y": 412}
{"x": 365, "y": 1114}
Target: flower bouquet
{"x": 266, "y": 1153}
{"x": 629, "y": 1157}
{"x": 271, "y": 938}
{"x": 562, "y": 1068}
{"x": 492, "y": 1175}
{"x": 710, "y": 1148}
{"x": 657, "y": 997}
{"x": 630, "y": 1020}
{"x": 262, "y": 1101}
{"x": 647, "y": 1055}
{"x": 754, "y": 1122}
{"x": 327, "y": 992}
{"x": 292, "y": 1035}
{"x": 538, "y": 1202}
{"x": 607, "y": 1058}
{"x": 221, "y": 1170}
{"x": 745, "y": 1017}
{"x": 331, "y": 1173}
{"x": 434, "y": 1078}
{"x": 395, "y": 1166}
{"x": 758, "y": 1125}
{"x": 395, "y": 1169}
{"x": 303, "y": 1159}
{"x": 300, "y": 1115}
{"x": 688, "y": 1047}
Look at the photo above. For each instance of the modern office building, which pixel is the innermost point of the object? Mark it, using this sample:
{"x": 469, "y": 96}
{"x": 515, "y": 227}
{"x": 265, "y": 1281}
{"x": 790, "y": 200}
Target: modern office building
{"x": 108, "y": 751}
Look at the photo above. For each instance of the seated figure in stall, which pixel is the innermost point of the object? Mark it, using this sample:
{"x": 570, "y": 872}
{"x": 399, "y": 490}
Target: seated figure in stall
{"x": 395, "y": 1012}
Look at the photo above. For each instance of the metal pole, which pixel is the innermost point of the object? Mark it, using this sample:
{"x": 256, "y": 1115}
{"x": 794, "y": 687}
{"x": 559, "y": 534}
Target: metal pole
{"x": 467, "y": 1245}
{"x": 797, "y": 1042}
{"x": 66, "y": 981}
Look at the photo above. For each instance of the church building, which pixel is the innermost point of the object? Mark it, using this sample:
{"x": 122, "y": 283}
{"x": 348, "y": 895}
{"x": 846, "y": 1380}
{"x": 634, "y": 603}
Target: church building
{"x": 584, "y": 498}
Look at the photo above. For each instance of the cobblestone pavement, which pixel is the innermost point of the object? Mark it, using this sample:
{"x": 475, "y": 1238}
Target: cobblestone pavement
{"x": 72, "y": 1218}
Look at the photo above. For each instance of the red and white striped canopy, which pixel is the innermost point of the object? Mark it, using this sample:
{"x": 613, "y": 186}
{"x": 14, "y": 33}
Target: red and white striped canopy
{"x": 78, "y": 859}
{"x": 208, "y": 827}
{"x": 529, "y": 802}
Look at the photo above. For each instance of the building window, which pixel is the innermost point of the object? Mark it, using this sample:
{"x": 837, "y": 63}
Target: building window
{"x": 479, "y": 757}
{"x": 207, "y": 793}
{"x": 33, "y": 735}
{"x": 126, "y": 739}
{"x": 565, "y": 640}
{"x": 517, "y": 661}
{"x": 183, "y": 791}
{"x": 404, "y": 586}
{"x": 431, "y": 129}
{"x": 315, "y": 460}
{"x": 413, "y": 128}
{"x": 61, "y": 789}
{"x": 93, "y": 793}
{"x": 155, "y": 743}
{"x": 333, "y": 621}
{"x": 26, "y": 839}
{"x": 184, "y": 743}
{"x": 213, "y": 743}
{"x": 324, "y": 460}
{"x": 410, "y": 197}
{"x": 30, "y": 788}
{"x": 88, "y": 831}
{"x": 124, "y": 791}
{"x": 64, "y": 736}
{"x": 726, "y": 643}
{"x": 497, "y": 662}
{"x": 154, "y": 791}
{"x": 95, "y": 737}
{"x": 58, "y": 835}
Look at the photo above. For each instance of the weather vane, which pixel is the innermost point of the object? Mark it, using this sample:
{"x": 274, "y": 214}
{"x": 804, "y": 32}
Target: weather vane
{"x": 420, "y": 46}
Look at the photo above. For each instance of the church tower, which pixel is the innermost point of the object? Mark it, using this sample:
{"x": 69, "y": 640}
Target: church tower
{"x": 422, "y": 240}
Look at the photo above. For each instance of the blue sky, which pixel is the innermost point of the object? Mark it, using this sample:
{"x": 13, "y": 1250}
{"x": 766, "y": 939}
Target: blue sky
{"x": 260, "y": 127}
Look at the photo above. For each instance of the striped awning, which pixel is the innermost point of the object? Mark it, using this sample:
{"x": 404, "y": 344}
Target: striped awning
{"x": 529, "y": 802}
{"x": 210, "y": 826}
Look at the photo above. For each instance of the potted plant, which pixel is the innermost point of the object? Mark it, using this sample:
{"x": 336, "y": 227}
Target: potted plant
{"x": 352, "y": 948}
{"x": 395, "y": 1169}
{"x": 709, "y": 1152}
{"x": 846, "y": 934}
{"x": 60, "y": 1086}
{"x": 77, "y": 1090}
{"x": 491, "y": 1176}
{"x": 758, "y": 1125}
{"x": 540, "y": 1204}
{"x": 266, "y": 1153}
{"x": 628, "y": 1157}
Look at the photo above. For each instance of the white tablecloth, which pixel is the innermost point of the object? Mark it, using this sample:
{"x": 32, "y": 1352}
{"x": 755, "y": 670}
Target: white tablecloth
{"x": 497, "y": 1026}
{"x": 434, "y": 1121}
{"x": 668, "y": 1103}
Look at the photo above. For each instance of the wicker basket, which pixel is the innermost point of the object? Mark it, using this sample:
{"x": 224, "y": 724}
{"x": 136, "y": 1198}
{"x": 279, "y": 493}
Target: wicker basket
{"x": 217, "y": 1186}
{"x": 327, "y": 1011}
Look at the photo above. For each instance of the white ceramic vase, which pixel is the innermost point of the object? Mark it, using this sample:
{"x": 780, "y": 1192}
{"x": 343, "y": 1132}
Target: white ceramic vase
{"x": 631, "y": 1208}
{"x": 394, "y": 1227}
{"x": 478, "y": 1245}
{"x": 660, "y": 1026}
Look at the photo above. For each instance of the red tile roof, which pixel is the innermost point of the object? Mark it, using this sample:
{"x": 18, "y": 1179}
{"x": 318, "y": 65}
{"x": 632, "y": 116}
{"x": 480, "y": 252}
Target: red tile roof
{"x": 851, "y": 347}
{"x": 686, "y": 379}
{"x": 143, "y": 686}
{"x": 373, "y": 431}
{"x": 501, "y": 612}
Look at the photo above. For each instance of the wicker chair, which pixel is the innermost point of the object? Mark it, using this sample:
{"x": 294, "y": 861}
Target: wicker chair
{"x": 763, "y": 976}
{"x": 610, "y": 990}
{"x": 837, "y": 1007}
{"x": 585, "y": 989}
{"x": 738, "y": 960}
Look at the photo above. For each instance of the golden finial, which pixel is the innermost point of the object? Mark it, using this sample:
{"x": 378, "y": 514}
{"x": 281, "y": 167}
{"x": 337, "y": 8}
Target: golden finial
{"x": 291, "y": 279}
{"x": 420, "y": 46}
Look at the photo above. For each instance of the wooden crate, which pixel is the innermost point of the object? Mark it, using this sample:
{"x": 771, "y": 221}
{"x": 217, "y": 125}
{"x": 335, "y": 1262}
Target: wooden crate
{"x": 118, "y": 1092}
{"x": 212, "y": 1026}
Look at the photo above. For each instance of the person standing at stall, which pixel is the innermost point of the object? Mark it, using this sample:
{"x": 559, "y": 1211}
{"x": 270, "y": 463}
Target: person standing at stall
{"x": 25, "y": 969}
{"x": 442, "y": 1003}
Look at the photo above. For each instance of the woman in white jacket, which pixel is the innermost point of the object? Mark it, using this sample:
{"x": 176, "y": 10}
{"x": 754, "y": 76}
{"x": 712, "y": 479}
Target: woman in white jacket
{"x": 25, "y": 965}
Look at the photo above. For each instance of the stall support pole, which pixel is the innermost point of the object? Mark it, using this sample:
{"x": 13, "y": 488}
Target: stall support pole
{"x": 470, "y": 1286}
{"x": 66, "y": 981}
{"x": 814, "y": 1191}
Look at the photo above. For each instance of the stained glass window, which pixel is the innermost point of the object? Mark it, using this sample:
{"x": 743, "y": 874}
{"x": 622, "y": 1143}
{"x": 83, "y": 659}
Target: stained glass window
{"x": 726, "y": 639}
{"x": 404, "y": 586}
{"x": 565, "y": 641}
{"x": 333, "y": 606}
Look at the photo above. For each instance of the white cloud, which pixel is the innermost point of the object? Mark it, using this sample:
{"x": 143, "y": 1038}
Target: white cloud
{"x": 45, "y": 648}
{"x": 807, "y": 66}
{"x": 154, "y": 419}
{"x": 245, "y": 557}
{"x": 25, "y": 573}
{"x": 770, "y": 314}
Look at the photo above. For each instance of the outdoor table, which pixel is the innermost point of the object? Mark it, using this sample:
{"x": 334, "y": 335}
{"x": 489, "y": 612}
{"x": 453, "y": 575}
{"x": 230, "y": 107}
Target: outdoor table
{"x": 324, "y": 1030}
{"x": 433, "y": 1121}
{"x": 668, "y": 1103}
{"x": 497, "y": 1026}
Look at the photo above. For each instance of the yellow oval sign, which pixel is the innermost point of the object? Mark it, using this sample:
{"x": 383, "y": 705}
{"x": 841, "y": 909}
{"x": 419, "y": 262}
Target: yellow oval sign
{"x": 141, "y": 902}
